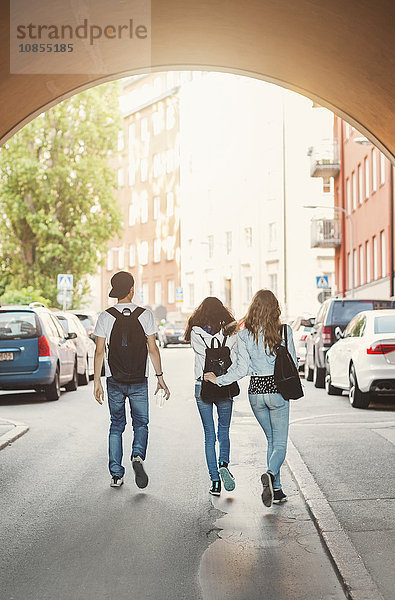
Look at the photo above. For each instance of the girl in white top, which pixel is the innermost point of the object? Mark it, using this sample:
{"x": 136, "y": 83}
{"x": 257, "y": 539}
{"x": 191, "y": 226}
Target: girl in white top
{"x": 213, "y": 319}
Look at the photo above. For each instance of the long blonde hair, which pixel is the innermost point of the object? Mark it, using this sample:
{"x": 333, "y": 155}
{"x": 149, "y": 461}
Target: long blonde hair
{"x": 263, "y": 318}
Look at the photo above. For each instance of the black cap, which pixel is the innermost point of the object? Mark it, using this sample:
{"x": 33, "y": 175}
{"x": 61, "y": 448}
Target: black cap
{"x": 122, "y": 283}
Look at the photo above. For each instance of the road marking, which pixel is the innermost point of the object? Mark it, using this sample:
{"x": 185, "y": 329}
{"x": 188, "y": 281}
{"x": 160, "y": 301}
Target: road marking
{"x": 316, "y": 417}
{"x": 388, "y": 434}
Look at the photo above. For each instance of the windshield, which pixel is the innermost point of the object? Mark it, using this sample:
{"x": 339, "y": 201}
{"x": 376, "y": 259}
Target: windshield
{"x": 344, "y": 312}
{"x": 18, "y": 325}
{"x": 384, "y": 324}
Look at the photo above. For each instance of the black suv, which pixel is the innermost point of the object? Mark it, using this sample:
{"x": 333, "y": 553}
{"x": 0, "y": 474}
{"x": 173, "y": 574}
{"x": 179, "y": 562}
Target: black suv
{"x": 334, "y": 315}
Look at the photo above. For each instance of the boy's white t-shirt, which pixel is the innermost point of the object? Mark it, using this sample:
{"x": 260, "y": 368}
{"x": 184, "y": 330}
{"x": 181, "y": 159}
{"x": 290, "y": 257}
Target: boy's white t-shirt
{"x": 106, "y": 321}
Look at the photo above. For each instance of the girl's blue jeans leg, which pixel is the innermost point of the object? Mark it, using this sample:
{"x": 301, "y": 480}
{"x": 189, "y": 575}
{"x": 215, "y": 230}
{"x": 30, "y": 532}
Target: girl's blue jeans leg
{"x": 272, "y": 414}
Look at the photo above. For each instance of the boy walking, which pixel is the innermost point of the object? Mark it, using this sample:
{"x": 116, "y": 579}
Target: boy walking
{"x": 129, "y": 331}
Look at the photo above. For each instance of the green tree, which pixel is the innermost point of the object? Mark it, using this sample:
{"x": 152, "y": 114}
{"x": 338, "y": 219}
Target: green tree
{"x": 57, "y": 203}
{"x": 23, "y": 296}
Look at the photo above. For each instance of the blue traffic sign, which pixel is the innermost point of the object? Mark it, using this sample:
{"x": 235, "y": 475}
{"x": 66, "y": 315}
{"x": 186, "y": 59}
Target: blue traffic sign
{"x": 322, "y": 282}
{"x": 65, "y": 281}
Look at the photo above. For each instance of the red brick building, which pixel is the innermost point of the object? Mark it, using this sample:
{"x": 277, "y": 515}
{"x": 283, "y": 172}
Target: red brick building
{"x": 364, "y": 188}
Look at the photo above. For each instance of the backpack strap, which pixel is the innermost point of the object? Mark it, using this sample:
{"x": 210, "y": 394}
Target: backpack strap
{"x": 214, "y": 339}
{"x": 114, "y": 312}
{"x": 137, "y": 312}
{"x": 205, "y": 343}
{"x": 284, "y": 328}
{"x": 224, "y": 341}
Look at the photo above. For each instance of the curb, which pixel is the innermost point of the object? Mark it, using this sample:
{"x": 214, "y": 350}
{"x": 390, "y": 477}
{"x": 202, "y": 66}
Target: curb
{"x": 18, "y": 430}
{"x": 355, "y": 578}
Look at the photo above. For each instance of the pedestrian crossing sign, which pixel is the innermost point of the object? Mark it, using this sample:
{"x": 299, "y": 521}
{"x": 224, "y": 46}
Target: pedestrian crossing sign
{"x": 65, "y": 281}
{"x": 322, "y": 282}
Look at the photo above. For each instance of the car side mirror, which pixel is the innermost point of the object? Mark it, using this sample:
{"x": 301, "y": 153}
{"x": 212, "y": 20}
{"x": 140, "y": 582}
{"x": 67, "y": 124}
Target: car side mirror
{"x": 339, "y": 334}
{"x": 71, "y": 336}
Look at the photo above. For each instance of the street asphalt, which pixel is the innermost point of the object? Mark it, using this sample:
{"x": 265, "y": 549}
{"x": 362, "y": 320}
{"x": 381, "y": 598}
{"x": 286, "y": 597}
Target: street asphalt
{"x": 67, "y": 534}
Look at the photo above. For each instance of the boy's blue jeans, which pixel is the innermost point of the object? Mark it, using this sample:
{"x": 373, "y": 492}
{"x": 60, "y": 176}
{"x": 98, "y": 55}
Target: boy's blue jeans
{"x": 137, "y": 393}
{"x": 272, "y": 414}
{"x": 224, "y": 410}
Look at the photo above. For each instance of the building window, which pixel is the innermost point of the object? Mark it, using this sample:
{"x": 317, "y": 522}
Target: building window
{"x": 354, "y": 191}
{"x": 273, "y": 283}
{"x": 132, "y": 255}
{"x": 144, "y": 169}
{"x": 350, "y": 282}
{"x": 248, "y": 236}
{"x": 347, "y": 130}
{"x": 272, "y": 236}
{"x": 170, "y": 204}
{"x": 170, "y": 117}
{"x": 156, "y": 207}
{"x": 170, "y": 160}
{"x": 132, "y": 173}
{"x": 144, "y": 130}
{"x": 375, "y": 259}
{"x": 121, "y": 179}
{"x": 144, "y": 207}
{"x": 355, "y": 262}
{"x": 171, "y": 290}
{"x": 382, "y": 168}
{"x": 228, "y": 242}
{"x": 143, "y": 253}
{"x": 360, "y": 185}
{"x": 158, "y": 292}
{"x": 210, "y": 285}
{"x": 145, "y": 290}
{"x": 367, "y": 181}
{"x": 131, "y": 136}
{"x": 110, "y": 261}
{"x": 248, "y": 288}
{"x": 170, "y": 250}
{"x": 368, "y": 268}
{"x": 348, "y": 195}
{"x": 121, "y": 141}
{"x": 361, "y": 266}
{"x": 383, "y": 255}
{"x": 132, "y": 215}
{"x": 374, "y": 170}
{"x": 157, "y": 122}
{"x": 210, "y": 246}
{"x": 157, "y": 250}
{"x": 191, "y": 294}
{"x": 157, "y": 165}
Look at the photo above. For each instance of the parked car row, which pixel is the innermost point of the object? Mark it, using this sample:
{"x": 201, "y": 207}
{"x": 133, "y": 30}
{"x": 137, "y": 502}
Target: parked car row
{"x": 43, "y": 350}
{"x": 351, "y": 346}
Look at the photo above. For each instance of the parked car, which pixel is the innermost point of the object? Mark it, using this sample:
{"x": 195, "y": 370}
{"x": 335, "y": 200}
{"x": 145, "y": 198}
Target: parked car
{"x": 88, "y": 320}
{"x": 171, "y": 333}
{"x": 334, "y": 315}
{"x": 84, "y": 345}
{"x": 362, "y": 361}
{"x": 35, "y": 351}
{"x": 301, "y": 328}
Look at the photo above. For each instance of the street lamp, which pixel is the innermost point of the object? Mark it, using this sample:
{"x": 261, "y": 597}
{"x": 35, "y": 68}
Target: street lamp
{"x": 349, "y": 217}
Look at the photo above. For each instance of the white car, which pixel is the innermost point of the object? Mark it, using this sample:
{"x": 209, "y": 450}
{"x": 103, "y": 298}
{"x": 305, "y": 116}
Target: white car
{"x": 301, "y": 328}
{"x": 362, "y": 361}
{"x": 84, "y": 345}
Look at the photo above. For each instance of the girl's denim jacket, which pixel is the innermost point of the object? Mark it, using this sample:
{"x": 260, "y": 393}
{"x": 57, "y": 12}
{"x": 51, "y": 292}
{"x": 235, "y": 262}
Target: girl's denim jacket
{"x": 253, "y": 359}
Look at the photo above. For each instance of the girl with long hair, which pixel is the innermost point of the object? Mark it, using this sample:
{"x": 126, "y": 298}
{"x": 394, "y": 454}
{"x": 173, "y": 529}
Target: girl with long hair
{"x": 213, "y": 319}
{"x": 256, "y": 355}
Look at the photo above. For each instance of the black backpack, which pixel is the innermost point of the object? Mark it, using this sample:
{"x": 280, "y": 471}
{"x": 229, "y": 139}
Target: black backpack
{"x": 286, "y": 375}
{"x": 218, "y": 362}
{"x": 127, "y": 347}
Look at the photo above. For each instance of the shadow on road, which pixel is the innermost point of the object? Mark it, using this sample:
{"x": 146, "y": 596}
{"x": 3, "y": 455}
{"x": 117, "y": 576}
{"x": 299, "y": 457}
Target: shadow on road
{"x": 18, "y": 398}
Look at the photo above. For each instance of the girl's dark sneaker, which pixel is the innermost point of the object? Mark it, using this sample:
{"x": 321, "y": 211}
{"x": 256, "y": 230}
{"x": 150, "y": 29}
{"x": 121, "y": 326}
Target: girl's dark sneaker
{"x": 279, "y": 497}
{"x": 267, "y": 491}
{"x": 215, "y": 489}
{"x": 227, "y": 478}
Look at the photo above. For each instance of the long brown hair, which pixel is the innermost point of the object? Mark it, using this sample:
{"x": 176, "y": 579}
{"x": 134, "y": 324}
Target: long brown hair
{"x": 214, "y": 316}
{"x": 263, "y": 318}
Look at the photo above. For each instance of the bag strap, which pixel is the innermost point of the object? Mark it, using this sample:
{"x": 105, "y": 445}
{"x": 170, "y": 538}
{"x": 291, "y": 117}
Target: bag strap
{"x": 224, "y": 341}
{"x": 205, "y": 343}
{"x": 285, "y": 335}
{"x": 114, "y": 312}
{"x": 118, "y": 314}
{"x": 137, "y": 312}
{"x": 214, "y": 339}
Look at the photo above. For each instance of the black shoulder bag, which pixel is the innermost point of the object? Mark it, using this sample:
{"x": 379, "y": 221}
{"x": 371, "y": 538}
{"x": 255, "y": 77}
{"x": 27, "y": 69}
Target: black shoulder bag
{"x": 218, "y": 362}
{"x": 286, "y": 375}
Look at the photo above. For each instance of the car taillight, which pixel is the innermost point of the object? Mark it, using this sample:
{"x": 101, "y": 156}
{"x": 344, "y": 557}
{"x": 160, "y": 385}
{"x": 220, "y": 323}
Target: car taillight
{"x": 43, "y": 346}
{"x": 381, "y": 348}
{"x": 303, "y": 337}
{"x": 169, "y": 331}
{"x": 326, "y": 336}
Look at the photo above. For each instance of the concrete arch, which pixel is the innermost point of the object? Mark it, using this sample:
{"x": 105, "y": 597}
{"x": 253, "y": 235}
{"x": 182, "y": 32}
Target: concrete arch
{"x": 340, "y": 54}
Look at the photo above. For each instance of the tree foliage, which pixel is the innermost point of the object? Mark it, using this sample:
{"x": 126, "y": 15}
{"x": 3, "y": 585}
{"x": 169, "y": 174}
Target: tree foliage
{"x": 57, "y": 203}
{"x": 23, "y": 296}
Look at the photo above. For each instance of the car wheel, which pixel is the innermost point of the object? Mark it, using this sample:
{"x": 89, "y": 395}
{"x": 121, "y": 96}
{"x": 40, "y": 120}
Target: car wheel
{"x": 319, "y": 376}
{"x": 52, "y": 391}
{"x": 83, "y": 379}
{"x": 358, "y": 399}
{"x": 308, "y": 373}
{"x": 331, "y": 390}
{"x": 73, "y": 384}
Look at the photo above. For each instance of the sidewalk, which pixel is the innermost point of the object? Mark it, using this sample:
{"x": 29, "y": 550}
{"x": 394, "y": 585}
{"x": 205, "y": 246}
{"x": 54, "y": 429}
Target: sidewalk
{"x": 10, "y": 431}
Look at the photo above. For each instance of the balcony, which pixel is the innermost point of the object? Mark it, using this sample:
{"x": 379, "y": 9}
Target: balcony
{"x": 325, "y": 233}
{"x": 324, "y": 159}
